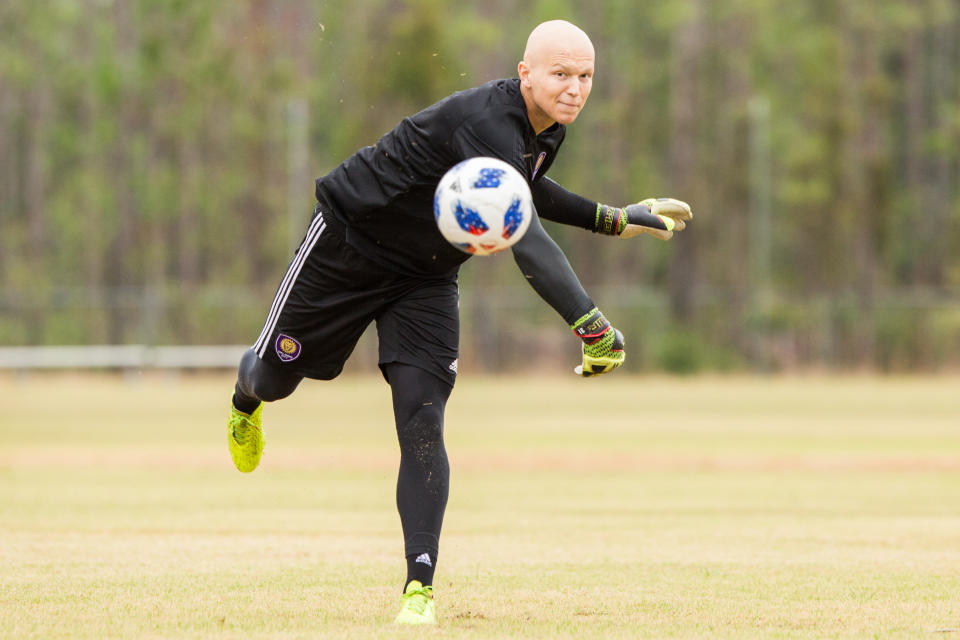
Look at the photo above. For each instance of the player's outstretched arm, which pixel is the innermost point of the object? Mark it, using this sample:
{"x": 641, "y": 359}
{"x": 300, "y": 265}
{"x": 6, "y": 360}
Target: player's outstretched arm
{"x": 549, "y": 273}
{"x": 660, "y": 217}
{"x": 556, "y": 204}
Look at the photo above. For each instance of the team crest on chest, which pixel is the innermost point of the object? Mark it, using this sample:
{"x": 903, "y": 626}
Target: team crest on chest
{"x": 287, "y": 348}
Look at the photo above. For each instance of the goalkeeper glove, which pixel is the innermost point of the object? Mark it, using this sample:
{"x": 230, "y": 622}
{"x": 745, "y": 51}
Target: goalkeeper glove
{"x": 659, "y": 217}
{"x": 602, "y": 344}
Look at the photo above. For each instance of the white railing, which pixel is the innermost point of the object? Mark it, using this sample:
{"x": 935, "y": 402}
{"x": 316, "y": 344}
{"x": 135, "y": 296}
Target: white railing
{"x": 121, "y": 357}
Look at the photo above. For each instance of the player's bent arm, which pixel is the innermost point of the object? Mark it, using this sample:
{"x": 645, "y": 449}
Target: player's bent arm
{"x": 549, "y": 273}
{"x": 659, "y": 217}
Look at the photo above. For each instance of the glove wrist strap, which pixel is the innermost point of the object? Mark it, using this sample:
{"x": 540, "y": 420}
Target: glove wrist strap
{"x": 591, "y": 327}
{"x": 610, "y": 221}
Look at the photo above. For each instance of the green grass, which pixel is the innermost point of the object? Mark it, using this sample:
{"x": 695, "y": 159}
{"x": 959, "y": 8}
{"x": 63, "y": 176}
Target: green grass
{"x": 609, "y": 508}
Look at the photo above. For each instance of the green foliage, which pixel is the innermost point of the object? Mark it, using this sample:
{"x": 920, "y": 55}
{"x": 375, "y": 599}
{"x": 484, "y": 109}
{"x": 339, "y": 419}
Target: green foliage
{"x": 685, "y": 352}
{"x": 143, "y": 144}
{"x": 681, "y": 352}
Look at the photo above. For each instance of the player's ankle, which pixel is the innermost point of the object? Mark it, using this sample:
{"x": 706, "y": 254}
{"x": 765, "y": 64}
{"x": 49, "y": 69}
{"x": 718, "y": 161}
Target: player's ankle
{"x": 243, "y": 403}
{"x": 420, "y": 567}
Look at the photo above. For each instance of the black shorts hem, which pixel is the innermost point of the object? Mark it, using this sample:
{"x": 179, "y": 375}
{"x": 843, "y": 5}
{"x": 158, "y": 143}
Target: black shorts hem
{"x": 313, "y": 372}
{"x": 449, "y": 378}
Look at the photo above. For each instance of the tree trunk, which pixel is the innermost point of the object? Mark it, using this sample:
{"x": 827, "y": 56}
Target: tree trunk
{"x": 684, "y": 106}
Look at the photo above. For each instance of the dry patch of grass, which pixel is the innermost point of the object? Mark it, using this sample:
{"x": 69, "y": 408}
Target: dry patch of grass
{"x": 618, "y": 508}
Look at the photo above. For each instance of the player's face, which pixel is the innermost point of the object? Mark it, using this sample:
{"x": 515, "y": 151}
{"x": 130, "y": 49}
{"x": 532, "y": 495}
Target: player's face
{"x": 559, "y": 87}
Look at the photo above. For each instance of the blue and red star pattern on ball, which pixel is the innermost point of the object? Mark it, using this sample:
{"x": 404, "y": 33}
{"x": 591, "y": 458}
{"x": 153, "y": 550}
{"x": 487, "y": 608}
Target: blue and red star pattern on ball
{"x": 489, "y": 178}
{"x": 512, "y": 219}
{"x": 470, "y": 220}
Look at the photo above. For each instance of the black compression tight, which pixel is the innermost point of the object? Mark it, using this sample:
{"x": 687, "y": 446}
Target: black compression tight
{"x": 423, "y": 484}
{"x": 259, "y": 381}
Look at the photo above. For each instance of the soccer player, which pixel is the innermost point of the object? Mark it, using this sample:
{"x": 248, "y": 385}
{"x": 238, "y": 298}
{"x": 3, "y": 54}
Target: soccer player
{"x": 372, "y": 252}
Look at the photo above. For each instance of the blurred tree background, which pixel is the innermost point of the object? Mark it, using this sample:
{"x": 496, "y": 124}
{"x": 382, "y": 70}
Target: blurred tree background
{"x": 157, "y": 161}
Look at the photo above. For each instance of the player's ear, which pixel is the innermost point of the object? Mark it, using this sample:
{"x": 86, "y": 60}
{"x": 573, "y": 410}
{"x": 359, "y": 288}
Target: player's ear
{"x": 523, "y": 72}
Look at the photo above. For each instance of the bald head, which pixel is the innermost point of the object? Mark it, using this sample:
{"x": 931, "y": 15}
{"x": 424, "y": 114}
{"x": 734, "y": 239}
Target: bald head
{"x": 556, "y": 73}
{"x": 557, "y": 36}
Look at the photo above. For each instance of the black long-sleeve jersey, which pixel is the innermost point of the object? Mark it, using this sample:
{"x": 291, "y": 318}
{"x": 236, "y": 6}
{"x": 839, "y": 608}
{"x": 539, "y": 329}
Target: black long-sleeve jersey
{"x": 384, "y": 193}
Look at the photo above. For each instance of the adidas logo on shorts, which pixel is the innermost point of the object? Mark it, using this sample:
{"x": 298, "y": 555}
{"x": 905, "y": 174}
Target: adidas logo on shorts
{"x": 453, "y": 365}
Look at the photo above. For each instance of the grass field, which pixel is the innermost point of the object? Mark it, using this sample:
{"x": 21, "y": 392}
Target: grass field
{"x": 612, "y": 508}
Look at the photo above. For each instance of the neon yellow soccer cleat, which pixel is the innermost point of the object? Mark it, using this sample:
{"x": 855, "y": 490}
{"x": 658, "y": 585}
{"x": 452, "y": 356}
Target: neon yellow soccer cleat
{"x": 245, "y": 437}
{"x": 416, "y": 605}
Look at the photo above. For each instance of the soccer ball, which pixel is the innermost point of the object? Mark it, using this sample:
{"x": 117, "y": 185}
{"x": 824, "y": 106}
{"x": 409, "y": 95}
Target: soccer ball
{"x": 482, "y": 206}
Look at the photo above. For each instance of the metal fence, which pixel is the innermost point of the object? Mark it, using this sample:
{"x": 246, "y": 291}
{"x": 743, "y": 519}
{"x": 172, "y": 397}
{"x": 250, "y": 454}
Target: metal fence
{"x": 120, "y": 357}
{"x": 502, "y": 329}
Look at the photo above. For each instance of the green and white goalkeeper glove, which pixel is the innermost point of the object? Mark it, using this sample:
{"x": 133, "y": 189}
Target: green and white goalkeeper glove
{"x": 659, "y": 217}
{"x": 602, "y": 344}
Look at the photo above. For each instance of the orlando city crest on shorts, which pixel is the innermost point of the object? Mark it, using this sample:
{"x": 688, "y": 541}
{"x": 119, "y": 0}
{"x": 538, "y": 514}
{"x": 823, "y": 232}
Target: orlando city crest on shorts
{"x": 287, "y": 348}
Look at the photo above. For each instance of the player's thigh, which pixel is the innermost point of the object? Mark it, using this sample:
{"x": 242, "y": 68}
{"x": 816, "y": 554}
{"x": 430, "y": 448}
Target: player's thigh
{"x": 325, "y": 301}
{"x": 422, "y": 328}
{"x": 419, "y": 397}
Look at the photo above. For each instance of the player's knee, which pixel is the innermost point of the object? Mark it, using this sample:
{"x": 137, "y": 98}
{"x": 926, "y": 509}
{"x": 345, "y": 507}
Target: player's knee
{"x": 268, "y": 391}
{"x": 263, "y": 381}
{"x": 422, "y": 433}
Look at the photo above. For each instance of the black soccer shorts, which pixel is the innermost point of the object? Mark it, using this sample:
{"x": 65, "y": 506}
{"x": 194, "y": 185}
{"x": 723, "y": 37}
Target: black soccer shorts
{"x": 331, "y": 293}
